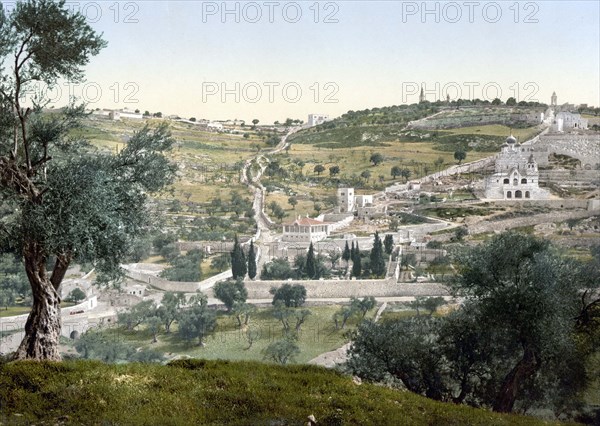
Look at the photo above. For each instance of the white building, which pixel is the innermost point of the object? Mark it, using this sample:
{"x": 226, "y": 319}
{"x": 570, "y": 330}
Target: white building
{"x": 565, "y": 121}
{"x": 131, "y": 115}
{"x": 316, "y": 119}
{"x": 305, "y": 230}
{"x": 516, "y": 174}
{"x": 363, "y": 200}
{"x": 345, "y": 199}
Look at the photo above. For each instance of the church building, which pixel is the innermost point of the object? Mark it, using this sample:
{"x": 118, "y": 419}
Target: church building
{"x": 516, "y": 174}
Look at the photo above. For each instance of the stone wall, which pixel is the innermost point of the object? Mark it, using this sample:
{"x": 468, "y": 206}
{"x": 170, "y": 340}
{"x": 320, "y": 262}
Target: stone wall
{"x": 553, "y": 217}
{"x": 348, "y": 288}
{"x": 584, "y": 147}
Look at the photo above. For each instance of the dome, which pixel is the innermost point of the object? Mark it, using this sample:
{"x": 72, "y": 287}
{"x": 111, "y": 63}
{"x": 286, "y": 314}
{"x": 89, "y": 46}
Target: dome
{"x": 511, "y": 139}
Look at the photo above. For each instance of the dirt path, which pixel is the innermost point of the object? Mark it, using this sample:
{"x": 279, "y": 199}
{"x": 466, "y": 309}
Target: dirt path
{"x": 339, "y": 356}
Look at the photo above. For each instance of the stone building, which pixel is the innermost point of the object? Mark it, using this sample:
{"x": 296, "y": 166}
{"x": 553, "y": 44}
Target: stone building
{"x": 516, "y": 174}
{"x": 316, "y": 119}
{"x": 566, "y": 121}
{"x": 305, "y": 229}
{"x": 345, "y": 199}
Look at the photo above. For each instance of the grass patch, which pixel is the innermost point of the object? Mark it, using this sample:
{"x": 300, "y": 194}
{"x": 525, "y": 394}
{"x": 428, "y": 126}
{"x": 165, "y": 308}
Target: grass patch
{"x": 214, "y": 392}
{"x": 228, "y": 342}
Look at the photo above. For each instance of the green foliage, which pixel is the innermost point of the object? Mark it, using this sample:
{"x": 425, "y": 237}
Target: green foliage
{"x": 75, "y": 296}
{"x": 334, "y": 170}
{"x": 511, "y": 346}
{"x": 460, "y": 156}
{"x": 430, "y": 304}
{"x": 169, "y": 308}
{"x": 137, "y": 314}
{"x": 460, "y": 233}
{"x": 185, "y": 268}
{"x": 103, "y": 347}
{"x": 376, "y": 158}
{"x": 238, "y": 261}
{"x": 13, "y": 280}
{"x": 196, "y": 321}
{"x": 319, "y": 168}
{"x": 356, "y": 261}
{"x": 388, "y": 243}
{"x": 251, "y": 261}
{"x": 231, "y": 292}
{"x": 277, "y": 269}
{"x": 346, "y": 254}
{"x": 221, "y": 261}
{"x": 282, "y": 351}
{"x": 292, "y": 296}
{"x": 311, "y": 267}
{"x": 363, "y": 305}
{"x": 231, "y": 392}
{"x": 377, "y": 263}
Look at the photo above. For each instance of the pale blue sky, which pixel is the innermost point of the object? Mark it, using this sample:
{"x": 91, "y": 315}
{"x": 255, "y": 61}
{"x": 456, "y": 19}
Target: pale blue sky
{"x": 375, "y": 55}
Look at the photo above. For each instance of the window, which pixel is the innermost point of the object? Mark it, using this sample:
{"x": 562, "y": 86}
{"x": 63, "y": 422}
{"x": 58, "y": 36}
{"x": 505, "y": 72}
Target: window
{"x": 506, "y": 181}
{"x": 518, "y": 194}
{"x": 515, "y": 182}
{"x": 508, "y": 194}
{"x": 527, "y": 195}
{"x": 523, "y": 180}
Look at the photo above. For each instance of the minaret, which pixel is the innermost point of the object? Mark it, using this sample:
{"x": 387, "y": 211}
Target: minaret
{"x": 448, "y": 98}
{"x": 422, "y": 96}
{"x": 553, "y": 100}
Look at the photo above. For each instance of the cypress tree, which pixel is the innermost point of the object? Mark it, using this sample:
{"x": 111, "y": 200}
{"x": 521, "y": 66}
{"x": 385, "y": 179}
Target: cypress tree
{"x": 388, "y": 243}
{"x": 346, "y": 253}
{"x": 238, "y": 261}
{"x": 356, "y": 262}
{"x": 311, "y": 266}
{"x": 377, "y": 264}
{"x": 251, "y": 261}
{"x": 352, "y": 252}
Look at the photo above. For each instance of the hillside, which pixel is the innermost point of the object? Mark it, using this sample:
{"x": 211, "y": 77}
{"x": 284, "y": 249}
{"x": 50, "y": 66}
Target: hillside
{"x": 214, "y": 392}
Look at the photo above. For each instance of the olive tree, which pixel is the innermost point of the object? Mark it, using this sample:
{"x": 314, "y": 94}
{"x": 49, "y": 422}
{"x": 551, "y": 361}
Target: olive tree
{"x": 69, "y": 204}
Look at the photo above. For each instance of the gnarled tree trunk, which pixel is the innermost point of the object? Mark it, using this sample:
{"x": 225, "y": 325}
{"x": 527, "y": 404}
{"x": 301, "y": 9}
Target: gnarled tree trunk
{"x": 43, "y": 326}
{"x": 524, "y": 369}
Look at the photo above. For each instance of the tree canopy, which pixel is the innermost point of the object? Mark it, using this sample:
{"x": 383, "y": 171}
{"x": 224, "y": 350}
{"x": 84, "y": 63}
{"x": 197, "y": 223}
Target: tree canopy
{"x": 69, "y": 203}
{"x": 515, "y": 343}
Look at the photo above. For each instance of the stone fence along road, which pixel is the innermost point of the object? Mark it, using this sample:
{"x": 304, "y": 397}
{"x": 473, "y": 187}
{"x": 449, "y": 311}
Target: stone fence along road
{"x": 344, "y": 289}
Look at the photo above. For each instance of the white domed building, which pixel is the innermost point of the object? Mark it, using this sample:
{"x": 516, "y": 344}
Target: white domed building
{"x": 516, "y": 174}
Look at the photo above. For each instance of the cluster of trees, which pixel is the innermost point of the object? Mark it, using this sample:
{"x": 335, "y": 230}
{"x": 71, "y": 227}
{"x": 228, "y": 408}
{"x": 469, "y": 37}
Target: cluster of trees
{"x": 519, "y": 342}
{"x": 194, "y": 319}
{"x": 240, "y": 266}
{"x": 287, "y": 309}
{"x": 373, "y": 263}
{"x": 276, "y": 210}
{"x": 187, "y": 268}
{"x": 399, "y": 171}
{"x": 309, "y": 266}
{"x": 289, "y": 122}
{"x": 358, "y": 308}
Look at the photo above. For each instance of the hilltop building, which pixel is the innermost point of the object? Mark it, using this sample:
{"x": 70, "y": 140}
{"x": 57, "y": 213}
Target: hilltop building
{"x": 316, "y": 119}
{"x": 516, "y": 174}
{"x": 553, "y": 100}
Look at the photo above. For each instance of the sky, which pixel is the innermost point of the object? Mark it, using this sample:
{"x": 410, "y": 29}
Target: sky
{"x": 271, "y": 60}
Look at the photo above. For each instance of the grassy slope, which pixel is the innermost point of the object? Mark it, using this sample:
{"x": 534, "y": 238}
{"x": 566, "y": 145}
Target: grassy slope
{"x": 214, "y": 392}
